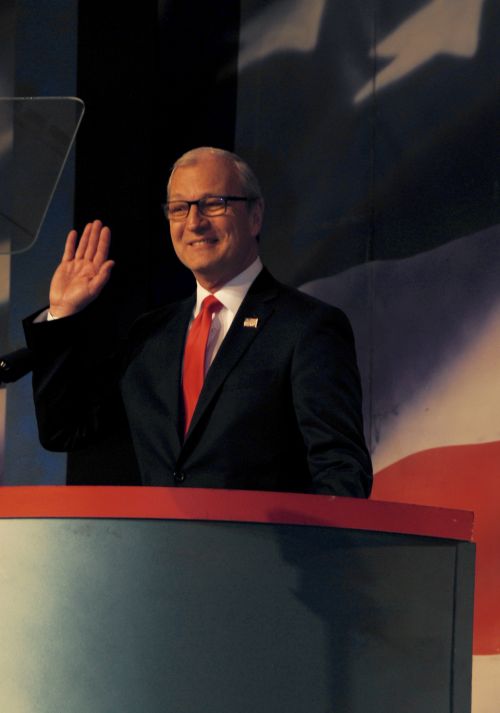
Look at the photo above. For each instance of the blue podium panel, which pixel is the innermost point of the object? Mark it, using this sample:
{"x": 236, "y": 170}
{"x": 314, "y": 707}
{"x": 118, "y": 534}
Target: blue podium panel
{"x": 173, "y": 616}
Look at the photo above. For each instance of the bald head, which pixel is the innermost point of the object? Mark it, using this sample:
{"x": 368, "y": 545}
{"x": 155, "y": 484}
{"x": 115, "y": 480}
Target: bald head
{"x": 248, "y": 180}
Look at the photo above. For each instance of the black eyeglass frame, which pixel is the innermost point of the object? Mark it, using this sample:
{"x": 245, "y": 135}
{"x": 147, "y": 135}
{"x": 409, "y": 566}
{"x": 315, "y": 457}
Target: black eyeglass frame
{"x": 200, "y": 203}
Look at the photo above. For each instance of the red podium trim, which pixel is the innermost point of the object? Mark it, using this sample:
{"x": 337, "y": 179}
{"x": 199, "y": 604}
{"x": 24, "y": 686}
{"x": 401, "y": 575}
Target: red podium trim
{"x": 49, "y": 501}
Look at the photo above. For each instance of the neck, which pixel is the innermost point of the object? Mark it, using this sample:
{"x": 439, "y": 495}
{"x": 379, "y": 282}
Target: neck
{"x": 212, "y": 284}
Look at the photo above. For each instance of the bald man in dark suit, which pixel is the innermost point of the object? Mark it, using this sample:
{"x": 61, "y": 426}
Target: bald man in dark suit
{"x": 280, "y": 403}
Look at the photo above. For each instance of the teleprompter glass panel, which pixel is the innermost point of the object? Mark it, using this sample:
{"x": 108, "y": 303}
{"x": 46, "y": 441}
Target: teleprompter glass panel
{"x": 36, "y": 135}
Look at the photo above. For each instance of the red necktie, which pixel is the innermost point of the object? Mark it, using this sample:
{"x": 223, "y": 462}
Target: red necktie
{"x": 193, "y": 372}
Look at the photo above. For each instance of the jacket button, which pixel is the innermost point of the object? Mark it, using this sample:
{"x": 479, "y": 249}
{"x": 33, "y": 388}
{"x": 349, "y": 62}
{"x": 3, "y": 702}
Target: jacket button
{"x": 179, "y": 476}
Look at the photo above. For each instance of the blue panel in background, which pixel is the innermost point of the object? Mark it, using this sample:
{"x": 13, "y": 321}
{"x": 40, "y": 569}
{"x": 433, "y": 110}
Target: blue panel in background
{"x": 45, "y": 61}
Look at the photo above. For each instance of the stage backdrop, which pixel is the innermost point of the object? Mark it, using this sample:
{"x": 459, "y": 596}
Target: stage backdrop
{"x": 37, "y": 59}
{"x": 375, "y": 128}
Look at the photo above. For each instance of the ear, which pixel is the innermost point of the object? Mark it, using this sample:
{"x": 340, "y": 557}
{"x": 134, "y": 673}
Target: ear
{"x": 257, "y": 217}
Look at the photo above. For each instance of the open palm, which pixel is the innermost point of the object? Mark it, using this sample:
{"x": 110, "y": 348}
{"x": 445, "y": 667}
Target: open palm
{"x": 83, "y": 271}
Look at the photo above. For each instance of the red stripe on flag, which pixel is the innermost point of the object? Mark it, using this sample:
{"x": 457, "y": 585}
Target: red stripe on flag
{"x": 468, "y": 478}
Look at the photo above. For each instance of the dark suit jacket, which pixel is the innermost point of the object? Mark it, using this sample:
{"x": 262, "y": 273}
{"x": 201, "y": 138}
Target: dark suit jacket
{"x": 280, "y": 408}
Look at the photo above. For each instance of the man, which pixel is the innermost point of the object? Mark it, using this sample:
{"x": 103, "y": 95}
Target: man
{"x": 277, "y": 405}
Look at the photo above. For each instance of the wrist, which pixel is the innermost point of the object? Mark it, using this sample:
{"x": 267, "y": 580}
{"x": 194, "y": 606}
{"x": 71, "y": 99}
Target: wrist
{"x": 60, "y": 312}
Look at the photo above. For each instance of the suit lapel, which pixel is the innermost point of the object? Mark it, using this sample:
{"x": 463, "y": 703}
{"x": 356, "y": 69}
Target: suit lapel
{"x": 173, "y": 338}
{"x": 257, "y": 305}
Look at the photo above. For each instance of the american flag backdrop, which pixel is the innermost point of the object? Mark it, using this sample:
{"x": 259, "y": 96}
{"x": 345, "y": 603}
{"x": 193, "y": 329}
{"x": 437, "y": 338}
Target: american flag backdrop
{"x": 375, "y": 128}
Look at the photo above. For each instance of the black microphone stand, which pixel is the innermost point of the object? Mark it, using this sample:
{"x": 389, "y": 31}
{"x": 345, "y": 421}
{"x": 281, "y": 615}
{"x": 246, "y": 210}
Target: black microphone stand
{"x": 15, "y": 365}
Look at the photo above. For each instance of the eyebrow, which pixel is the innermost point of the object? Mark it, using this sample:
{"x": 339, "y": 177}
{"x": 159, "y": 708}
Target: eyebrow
{"x": 180, "y": 197}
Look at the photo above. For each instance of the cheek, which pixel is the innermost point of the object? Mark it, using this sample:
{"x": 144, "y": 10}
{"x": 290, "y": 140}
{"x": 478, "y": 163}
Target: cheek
{"x": 176, "y": 234}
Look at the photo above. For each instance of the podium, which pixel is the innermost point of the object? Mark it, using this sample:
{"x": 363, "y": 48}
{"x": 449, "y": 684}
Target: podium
{"x": 209, "y": 601}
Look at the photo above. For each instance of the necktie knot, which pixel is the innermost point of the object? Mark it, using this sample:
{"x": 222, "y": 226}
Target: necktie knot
{"x": 211, "y": 305}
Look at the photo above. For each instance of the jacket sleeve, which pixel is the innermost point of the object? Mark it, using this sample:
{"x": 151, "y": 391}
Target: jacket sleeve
{"x": 328, "y": 404}
{"x": 75, "y": 384}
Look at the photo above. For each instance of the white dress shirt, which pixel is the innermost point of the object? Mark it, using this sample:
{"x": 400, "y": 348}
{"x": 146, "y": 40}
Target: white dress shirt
{"x": 231, "y": 295}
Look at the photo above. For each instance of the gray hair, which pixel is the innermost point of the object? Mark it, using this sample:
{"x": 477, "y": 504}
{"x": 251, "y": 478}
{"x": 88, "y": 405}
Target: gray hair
{"x": 249, "y": 183}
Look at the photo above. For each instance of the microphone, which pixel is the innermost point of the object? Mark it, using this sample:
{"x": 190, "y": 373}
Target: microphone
{"x": 15, "y": 365}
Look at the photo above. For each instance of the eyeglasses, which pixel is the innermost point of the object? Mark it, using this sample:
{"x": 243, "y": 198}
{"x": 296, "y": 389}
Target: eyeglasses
{"x": 209, "y": 206}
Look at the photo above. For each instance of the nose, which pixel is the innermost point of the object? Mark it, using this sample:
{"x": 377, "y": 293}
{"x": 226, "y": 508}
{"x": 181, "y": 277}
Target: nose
{"x": 194, "y": 219}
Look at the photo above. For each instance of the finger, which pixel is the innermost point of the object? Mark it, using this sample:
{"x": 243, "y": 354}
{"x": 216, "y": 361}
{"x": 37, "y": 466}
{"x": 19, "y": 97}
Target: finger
{"x": 93, "y": 241}
{"x": 102, "y": 249}
{"x": 70, "y": 245}
{"x": 82, "y": 245}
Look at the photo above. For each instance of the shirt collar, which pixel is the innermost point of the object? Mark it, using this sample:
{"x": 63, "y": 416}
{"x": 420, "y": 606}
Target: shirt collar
{"x": 233, "y": 292}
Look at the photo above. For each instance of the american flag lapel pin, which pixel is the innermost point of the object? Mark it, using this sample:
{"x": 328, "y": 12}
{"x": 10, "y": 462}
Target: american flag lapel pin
{"x": 251, "y": 322}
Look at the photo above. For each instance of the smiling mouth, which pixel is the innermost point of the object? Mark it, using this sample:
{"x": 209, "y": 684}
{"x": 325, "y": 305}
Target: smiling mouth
{"x": 203, "y": 241}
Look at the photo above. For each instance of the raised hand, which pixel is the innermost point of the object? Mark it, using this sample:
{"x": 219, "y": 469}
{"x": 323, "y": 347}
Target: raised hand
{"x": 83, "y": 271}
